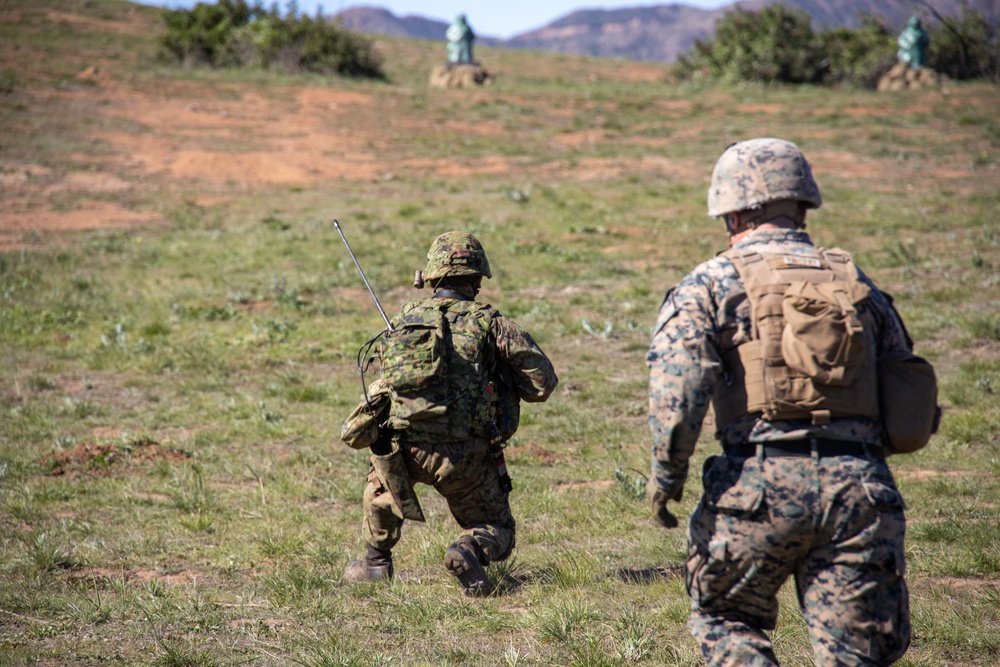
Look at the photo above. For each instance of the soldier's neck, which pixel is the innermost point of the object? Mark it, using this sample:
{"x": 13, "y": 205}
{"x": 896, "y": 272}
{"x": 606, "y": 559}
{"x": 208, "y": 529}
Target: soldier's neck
{"x": 465, "y": 291}
{"x": 774, "y": 225}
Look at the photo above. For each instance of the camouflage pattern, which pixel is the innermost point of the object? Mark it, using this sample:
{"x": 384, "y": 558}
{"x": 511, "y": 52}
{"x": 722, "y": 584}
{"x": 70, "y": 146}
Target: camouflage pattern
{"x": 393, "y": 476}
{"x": 363, "y": 426}
{"x": 836, "y": 524}
{"x": 439, "y": 373}
{"x": 464, "y": 470}
{"x": 705, "y": 316}
{"x": 752, "y": 173}
{"x": 456, "y": 254}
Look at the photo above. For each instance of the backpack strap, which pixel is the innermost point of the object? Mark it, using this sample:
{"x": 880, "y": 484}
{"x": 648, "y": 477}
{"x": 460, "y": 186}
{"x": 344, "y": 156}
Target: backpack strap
{"x": 729, "y": 398}
{"x": 841, "y": 263}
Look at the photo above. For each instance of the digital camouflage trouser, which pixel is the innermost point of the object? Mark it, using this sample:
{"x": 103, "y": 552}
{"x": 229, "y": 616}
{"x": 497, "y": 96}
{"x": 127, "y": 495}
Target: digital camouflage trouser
{"x": 465, "y": 474}
{"x": 836, "y": 524}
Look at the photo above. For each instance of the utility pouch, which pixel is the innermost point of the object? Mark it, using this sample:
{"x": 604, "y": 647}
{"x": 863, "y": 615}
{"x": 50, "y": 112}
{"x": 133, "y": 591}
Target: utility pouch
{"x": 391, "y": 472}
{"x": 506, "y": 485}
{"x": 508, "y": 403}
{"x": 362, "y": 428}
{"x": 907, "y": 401}
{"x": 824, "y": 336}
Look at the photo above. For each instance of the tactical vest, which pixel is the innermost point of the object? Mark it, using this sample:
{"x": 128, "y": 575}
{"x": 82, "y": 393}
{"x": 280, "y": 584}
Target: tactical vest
{"x": 812, "y": 353}
{"x": 438, "y": 363}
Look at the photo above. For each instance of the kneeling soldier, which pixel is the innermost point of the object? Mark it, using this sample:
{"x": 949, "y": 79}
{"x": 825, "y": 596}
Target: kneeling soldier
{"x": 453, "y": 372}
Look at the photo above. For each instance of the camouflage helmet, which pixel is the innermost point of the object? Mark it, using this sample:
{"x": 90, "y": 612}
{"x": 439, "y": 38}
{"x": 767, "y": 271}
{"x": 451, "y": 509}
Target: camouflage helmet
{"x": 456, "y": 254}
{"x": 753, "y": 173}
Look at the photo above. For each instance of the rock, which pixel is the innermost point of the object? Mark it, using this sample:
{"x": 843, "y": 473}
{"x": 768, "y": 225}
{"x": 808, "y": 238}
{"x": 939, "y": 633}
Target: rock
{"x": 459, "y": 76}
{"x": 89, "y": 74}
{"x": 903, "y": 77}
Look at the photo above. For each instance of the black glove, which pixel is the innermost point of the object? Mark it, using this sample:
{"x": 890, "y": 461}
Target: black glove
{"x": 658, "y": 505}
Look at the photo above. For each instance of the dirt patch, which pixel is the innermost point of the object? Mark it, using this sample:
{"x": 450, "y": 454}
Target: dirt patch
{"x": 922, "y": 475}
{"x": 101, "y": 577}
{"x": 109, "y": 458}
{"x": 96, "y": 215}
{"x": 577, "y": 139}
{"x": 540, "y": 454}
{"x": 846, "y": 162}
{"x": 133, "y": 26}
{"x": 763, "y": 109}
{"x": 596, "y": 485}
{"x": 152, "y": 497}
{"x": 181, "y": 578}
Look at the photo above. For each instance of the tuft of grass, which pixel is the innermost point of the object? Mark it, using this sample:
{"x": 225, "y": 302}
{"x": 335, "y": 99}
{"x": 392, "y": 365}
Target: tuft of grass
{"x": 45, "y": 554}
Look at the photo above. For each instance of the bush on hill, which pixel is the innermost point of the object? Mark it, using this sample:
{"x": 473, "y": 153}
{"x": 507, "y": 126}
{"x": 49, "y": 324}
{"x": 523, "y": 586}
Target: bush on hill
{"x": 774, "y": 44}
{"x": 233, "y": 33}
{"x": 859, "y": 56}
{"x": 779, "y": 45}
{"x": 965, "y": 47}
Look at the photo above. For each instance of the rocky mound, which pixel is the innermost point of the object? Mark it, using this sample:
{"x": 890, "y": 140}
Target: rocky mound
{"x": 904, "y": 77}
{"x": 459, "y": 76}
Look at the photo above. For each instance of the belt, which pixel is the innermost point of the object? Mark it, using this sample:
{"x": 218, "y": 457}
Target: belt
{"x": 823, "y": 447}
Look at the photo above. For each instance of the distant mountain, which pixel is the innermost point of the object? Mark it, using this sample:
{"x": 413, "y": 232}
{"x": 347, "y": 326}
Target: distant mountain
{"x": 380, "y": 21}
{"x": 643, "y": 33}
{"x": 836, "y": 13}
{"x": 658, "y": 33}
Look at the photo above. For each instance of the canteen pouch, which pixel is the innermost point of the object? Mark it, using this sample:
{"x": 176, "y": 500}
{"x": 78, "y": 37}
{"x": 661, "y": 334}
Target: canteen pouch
{"x": 907, "y": 401}
{"x": 363, "y": 426}
{"x": 390, "y": 469}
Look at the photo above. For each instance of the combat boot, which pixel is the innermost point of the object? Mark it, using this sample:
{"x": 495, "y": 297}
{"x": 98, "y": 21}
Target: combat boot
{"x": 464, "y": 560}
{"x": 375, "y": 566}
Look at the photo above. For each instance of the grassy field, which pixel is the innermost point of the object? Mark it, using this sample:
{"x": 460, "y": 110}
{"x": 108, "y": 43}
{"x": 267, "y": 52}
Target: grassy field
{"x": 179, "y": 323}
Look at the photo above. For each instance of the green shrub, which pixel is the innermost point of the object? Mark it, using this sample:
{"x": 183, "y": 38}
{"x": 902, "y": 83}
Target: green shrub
{"x": 775, "y": 44}
{"x": 233, "y": 33}
{"x": 203, "y": 34}
{"x": 778, "y": 45}
{"x": 859, "y": 56}
{"x": 964, "y": 47}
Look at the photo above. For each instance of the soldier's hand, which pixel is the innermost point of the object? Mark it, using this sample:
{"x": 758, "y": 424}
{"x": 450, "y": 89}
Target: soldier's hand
{"x": 658, "y": 505}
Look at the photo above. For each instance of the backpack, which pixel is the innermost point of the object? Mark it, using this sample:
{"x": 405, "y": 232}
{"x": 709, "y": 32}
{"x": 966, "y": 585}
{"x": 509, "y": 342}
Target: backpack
{"x": 439, "y": 364}
{"x": 812, "y": 353}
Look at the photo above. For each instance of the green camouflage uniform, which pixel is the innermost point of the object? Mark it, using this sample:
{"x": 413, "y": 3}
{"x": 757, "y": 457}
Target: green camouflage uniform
{"x": 462, "y": 469}
{"x": 834, "y": 523}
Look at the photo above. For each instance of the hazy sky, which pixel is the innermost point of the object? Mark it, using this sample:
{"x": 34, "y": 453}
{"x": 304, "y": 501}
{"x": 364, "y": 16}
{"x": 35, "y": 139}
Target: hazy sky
{"x": 496, "y": 19}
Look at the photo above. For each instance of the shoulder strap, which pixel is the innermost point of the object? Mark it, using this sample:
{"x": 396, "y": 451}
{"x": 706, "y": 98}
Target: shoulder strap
{"x": 755, "y": 273}
{"x": 840, "y": 263}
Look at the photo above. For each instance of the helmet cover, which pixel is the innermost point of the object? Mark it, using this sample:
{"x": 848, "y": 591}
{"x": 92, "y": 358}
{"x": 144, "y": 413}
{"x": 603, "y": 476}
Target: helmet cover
{"x": 758, "y": 171}
{"x": 456, "y": 254}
